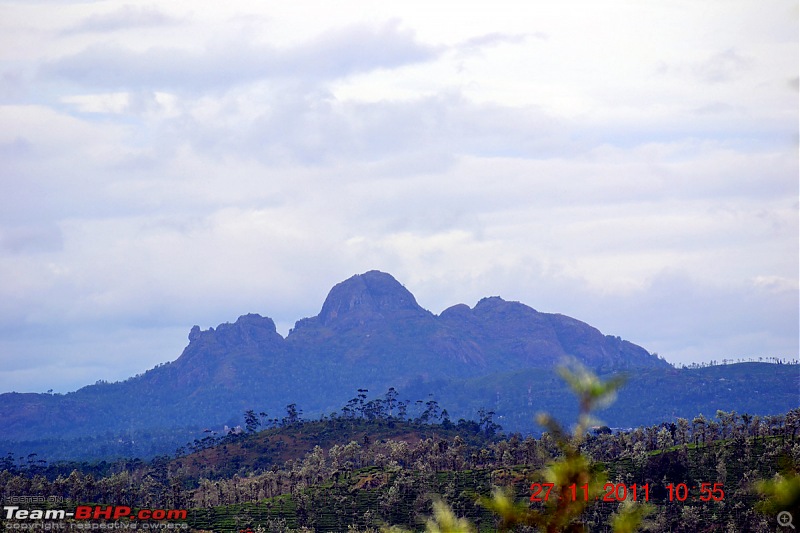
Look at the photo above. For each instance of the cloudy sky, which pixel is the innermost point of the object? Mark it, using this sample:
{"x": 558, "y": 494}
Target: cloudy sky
{"x": 631, "y": 164}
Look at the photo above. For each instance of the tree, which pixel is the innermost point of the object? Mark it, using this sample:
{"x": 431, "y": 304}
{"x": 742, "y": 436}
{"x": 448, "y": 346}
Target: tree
{"x": 486, "y": 423}
{"x": 683, "y": 431}
{"x": 292, "y": 415}
{"x": 571, "y": 471}
{"x": 362, "y": 395}
{"x": 402, "y": 410}
{"x": 391, "y": 400}
{"x": 746, "y": 419}
{"x": 699, "y": 428}
{"x": 251, "y": 421}
{"x": 793, "y": 423}
{"x": 728, "y": 422}
{"x": 664, "y": 439}
{"x": 431, "y": 412}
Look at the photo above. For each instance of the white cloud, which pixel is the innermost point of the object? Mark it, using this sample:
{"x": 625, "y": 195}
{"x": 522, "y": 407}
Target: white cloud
{"x": 634, "y": 166}
{"x": 122, "y": 18}
{"x": 100, "y": 103}
{"x": 221, "y": 64}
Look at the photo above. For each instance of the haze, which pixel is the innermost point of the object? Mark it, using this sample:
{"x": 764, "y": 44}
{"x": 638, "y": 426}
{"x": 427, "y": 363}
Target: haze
{"x": 631, "y": 164}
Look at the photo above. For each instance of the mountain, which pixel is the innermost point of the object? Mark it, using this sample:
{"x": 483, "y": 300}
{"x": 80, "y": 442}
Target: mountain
{"x": 370, "y": 334}
{"x": 371, "y": 316}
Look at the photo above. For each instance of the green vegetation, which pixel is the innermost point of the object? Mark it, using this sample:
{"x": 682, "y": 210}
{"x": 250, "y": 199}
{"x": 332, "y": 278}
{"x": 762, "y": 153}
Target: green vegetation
{"x": 365, "y": 469}
{"x": 571, "y": 472}
{"x": 371, "y": 333}
{"x": 649, "y": 397}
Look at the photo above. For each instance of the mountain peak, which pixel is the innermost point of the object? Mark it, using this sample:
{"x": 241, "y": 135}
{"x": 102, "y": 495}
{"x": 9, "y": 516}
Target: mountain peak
{"x": 250, "y": 329}
{"x": 370, "y": 293}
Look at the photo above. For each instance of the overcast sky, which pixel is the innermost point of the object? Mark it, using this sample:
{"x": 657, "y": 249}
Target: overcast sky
{"x": 631, "y": 164}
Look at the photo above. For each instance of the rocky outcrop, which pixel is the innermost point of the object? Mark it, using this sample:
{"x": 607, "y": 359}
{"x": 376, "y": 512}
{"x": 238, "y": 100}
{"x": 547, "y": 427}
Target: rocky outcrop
{"x": 370, "y": 333}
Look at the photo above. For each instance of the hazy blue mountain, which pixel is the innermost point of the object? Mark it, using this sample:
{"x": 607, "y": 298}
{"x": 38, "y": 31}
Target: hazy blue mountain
{"x": 370, "y": 334}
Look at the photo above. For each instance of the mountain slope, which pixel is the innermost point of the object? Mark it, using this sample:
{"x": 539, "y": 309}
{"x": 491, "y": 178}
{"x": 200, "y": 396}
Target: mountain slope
{"x": 370, "y": 333}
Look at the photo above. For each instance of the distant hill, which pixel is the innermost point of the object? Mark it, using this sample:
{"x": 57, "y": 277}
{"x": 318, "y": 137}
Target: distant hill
{"x": 649, "y": 396}
{"x": 370, "y": 334}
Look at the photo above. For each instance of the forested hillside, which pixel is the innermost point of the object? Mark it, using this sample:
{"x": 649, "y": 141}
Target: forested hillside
{"x": 363, "y": 468}
{"x": 372, "y": 335}
{"x": 649, "y": 396}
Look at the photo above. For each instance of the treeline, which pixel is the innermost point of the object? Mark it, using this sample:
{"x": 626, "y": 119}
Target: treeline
{"x": 700, "y": 431}
{"x": 387, "y": 410}
{"x": 419, "y": 416}
{"x": 375, "y": 480}
{"x": 169, "y": 418}
{"x": 762, "y": 359}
